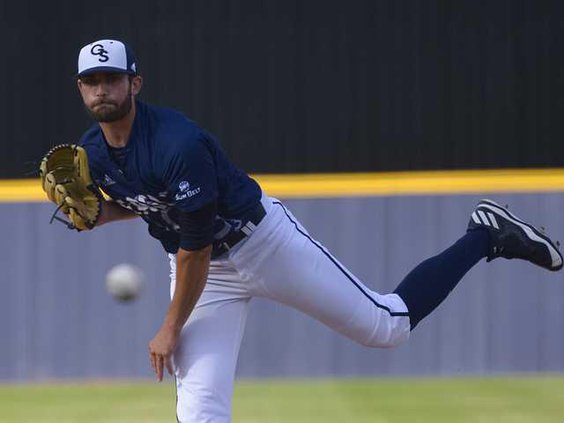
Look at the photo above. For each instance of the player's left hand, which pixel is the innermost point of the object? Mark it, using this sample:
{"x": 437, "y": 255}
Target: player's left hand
{"x": 65, "y": 178}
{"x": 161, "y": 348}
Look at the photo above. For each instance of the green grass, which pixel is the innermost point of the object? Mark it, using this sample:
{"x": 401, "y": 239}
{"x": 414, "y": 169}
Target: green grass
{"x": 515, "y": 399}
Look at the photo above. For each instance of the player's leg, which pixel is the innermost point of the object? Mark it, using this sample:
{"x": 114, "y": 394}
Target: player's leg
{"x": 206, "y": 358}
{"x": 492, "y": 232}
{"x": 428, "y": 284}
{"x": 290, "y": 267}
{"x": 283, "y": 263}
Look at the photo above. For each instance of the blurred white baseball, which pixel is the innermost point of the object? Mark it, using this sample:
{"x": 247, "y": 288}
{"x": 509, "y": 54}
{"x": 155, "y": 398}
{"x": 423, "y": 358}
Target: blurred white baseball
{"x": 124, "y": 282}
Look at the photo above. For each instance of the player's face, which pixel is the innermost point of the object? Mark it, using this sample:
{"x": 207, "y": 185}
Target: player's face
{"x": 107, "y": 96}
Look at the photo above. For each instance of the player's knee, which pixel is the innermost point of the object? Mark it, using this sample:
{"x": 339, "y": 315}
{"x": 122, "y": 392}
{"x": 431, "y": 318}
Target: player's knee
{"x": 202, "y": 405}
{"x": 390, "y": 338}
{"x": 383, "y": 343}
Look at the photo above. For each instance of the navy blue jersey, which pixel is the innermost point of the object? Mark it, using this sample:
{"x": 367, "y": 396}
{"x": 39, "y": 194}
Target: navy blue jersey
{"x": 170, "y": 166}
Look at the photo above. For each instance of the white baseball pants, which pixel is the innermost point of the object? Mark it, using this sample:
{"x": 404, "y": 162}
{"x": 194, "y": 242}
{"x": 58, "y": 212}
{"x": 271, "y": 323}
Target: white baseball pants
{"x": 279, "y": 261}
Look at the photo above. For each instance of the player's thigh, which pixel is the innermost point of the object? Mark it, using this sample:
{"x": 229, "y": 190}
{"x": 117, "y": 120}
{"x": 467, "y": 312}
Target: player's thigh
{"x": 206, "y": 357}
{"x": 301, "y": 273}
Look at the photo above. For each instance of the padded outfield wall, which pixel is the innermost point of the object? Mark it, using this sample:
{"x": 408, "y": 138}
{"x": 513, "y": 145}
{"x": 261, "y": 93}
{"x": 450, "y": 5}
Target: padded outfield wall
{"x": 57, "y": 321}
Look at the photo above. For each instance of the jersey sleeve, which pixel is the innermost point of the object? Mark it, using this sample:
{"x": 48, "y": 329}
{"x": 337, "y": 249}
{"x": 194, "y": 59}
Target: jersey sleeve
{"x": 190, "y": 175}
{"x": 88, "y": 141}
{"x": 196, "y": 228}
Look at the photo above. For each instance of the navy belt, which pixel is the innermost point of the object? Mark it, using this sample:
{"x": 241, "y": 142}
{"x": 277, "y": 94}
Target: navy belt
{"x": 223, "y": 245}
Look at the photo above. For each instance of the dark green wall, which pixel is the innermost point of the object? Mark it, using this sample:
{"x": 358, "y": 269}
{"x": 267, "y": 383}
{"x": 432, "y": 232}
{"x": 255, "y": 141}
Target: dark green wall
{"x": 306, "y": 86}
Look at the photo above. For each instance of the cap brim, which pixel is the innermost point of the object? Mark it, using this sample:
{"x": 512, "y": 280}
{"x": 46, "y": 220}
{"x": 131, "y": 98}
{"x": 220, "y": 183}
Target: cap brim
{"x": 104, "y": 69}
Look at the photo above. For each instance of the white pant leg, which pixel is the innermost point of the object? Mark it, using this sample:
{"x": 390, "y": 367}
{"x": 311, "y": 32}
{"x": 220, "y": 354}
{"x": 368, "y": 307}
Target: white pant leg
{"x": 206, "y": 357}
{"x": 286, "y": 265}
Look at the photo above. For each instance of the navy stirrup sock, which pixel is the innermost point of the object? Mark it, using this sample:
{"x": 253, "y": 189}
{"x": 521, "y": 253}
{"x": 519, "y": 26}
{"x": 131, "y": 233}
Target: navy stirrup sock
{"x": 426, "y": 286}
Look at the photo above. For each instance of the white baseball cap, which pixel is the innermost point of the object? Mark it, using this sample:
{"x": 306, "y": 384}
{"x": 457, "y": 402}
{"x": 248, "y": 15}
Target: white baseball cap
{"x": 106, "y": 56}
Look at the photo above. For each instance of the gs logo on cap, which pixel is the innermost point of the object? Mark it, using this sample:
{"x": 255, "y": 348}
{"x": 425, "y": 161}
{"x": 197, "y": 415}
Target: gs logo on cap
{"x": 99, "y": 50}
{"x": 106, "y": 56}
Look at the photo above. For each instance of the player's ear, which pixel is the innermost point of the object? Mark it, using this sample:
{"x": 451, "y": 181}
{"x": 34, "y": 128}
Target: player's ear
{"x": 136, "y": 84}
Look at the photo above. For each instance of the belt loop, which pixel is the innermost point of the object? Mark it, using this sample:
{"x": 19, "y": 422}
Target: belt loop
{"x": 233, "y": 238}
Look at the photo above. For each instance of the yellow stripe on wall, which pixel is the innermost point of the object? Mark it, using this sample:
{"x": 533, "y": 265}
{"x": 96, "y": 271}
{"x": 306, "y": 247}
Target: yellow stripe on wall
{"x": 365, "y": 184}
{"x": 21, "y": 190}
{"x": 413, "y": 183}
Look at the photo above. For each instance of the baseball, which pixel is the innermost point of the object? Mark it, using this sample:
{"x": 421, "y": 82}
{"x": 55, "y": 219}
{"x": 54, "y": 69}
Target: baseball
{"x": 124, "y": 282}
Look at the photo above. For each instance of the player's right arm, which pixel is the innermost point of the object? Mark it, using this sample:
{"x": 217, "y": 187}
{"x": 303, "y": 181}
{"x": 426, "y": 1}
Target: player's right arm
{"x": 112, "y": 211}
{"x": 189, "y": 173}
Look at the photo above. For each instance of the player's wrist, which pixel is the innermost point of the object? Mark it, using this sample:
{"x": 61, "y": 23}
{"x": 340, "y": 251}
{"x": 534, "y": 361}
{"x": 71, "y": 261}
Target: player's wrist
{"x": 103, "y": 217}
{"x": 172, "y": 325}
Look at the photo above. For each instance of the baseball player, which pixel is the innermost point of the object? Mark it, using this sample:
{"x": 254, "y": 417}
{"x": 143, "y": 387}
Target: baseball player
{"x": 228, "y": 241}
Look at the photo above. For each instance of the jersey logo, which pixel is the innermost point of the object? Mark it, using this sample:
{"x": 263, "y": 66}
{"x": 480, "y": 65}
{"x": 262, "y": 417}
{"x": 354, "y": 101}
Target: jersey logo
{"x": 98, "y": 50}
{"x": 143, "y": 204}
{"x": 152, "y": 208}
{"x": 108, "y": 181}
{"x": 184, "y": 191}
